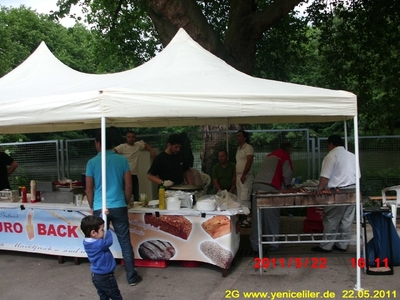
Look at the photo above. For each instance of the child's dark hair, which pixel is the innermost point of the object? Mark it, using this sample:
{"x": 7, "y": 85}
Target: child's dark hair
{"x": 90, "y": 223}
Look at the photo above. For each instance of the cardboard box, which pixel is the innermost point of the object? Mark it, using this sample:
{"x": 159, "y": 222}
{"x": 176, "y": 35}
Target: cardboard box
{"x": 45, "y": 186}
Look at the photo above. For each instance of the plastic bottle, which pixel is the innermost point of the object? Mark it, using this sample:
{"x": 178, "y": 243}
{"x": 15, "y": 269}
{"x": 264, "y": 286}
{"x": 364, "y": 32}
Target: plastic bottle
{"x": 33, "y": 191}
{"x": 23, "y": 194}
{"x": 161, "y": 197}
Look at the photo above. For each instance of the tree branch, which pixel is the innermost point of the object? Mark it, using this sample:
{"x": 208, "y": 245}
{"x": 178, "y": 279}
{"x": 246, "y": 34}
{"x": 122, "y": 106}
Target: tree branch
{"x": 271, "y": 14}
{"x": 170, "y": 15}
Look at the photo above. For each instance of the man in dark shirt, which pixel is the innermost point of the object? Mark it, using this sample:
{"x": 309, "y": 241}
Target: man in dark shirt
{"x": 6, "y": 160}
{"x": 169, "y": 167}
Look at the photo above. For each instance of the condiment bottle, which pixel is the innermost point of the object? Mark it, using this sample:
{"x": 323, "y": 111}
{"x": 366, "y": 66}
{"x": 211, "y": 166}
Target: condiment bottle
{"x": 161, "y": 197}
{"x": 33, "y": 191}
{"x": 24, "y": 198}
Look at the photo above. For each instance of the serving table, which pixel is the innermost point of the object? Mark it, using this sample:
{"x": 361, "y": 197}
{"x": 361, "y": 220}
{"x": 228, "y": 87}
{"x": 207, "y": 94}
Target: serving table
{"x": 267, "y": 200}
{"x": 185, "y": 235}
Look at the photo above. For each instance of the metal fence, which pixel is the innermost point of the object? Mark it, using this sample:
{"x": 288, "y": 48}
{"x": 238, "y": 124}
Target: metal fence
{"x": 36, "y": 160}
{"x": 53, "y": 160}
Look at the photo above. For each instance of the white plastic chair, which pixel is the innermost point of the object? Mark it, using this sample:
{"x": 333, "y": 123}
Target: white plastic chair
{"x": 206, "y": 181}
{"x": 392, "y": 204}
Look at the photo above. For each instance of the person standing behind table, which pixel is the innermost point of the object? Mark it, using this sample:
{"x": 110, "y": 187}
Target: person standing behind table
{"x": 6, "y": 160}
{"x": 131, "y": 150}
{"x": 275, "y": 173}
{"x": 244, "y": 172}
{"x": 102, "y": 262}
{"x": 338, "y": 171}
{"x": 119, "y": 189}
{"x": 169, "y": 167}
{"x": 223, "y": 173}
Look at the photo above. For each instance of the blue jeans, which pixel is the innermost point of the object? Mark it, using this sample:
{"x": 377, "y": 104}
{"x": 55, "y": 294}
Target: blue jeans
{"x": 135, "y": 187}
{"x": 107, "y": 287}
{"x": 120, "y": 221}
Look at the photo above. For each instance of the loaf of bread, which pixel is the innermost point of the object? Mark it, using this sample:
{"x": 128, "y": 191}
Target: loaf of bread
{"x": 156, "y": 250}
{"x": 176, "y": 225}
{"x": 217, "y": 226}
{"x": 218, "y": 255}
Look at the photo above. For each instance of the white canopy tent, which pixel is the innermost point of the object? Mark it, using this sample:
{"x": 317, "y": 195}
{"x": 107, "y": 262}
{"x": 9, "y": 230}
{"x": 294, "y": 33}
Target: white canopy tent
{"x": 183, "y": 85}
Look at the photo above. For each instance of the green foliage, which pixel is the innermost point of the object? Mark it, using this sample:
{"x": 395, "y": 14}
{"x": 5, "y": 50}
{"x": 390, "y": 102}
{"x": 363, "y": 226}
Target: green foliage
{"x": 20, "y": 180}
{"x": 22, "y": 30}
{"x": 12, "y": 138}
{"x": 279, "y": 58}
{"x": 126, "y": 37}
{"x": 372, "y": 182}
{"x": 66, "y": 135}
{"x": 359, "y": 49}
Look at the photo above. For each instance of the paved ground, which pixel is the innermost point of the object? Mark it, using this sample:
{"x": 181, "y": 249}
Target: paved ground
{"x": 33, "y": 276}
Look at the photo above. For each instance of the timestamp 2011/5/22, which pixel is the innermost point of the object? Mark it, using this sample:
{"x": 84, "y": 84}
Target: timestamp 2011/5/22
{"x": 295, "y": 262}
{"x": 362, "y": 262}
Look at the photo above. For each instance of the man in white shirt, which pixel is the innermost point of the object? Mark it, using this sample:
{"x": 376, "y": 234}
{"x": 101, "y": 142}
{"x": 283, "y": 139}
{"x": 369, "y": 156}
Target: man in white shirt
{"x": 131, "y": 150}
{"x": 338, "y": 171}
{"x": 244, "y": 172}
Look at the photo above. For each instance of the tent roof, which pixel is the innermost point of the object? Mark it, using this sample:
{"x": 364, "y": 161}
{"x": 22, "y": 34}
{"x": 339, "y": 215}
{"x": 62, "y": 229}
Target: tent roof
{"x": 183, "y": 85}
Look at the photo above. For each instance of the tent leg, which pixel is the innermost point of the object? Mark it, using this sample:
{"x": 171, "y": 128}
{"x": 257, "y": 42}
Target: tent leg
{"x": 358, "y": 201}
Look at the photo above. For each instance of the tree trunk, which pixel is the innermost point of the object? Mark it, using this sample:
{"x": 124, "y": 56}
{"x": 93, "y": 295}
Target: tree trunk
{"x": 246, "y": 25}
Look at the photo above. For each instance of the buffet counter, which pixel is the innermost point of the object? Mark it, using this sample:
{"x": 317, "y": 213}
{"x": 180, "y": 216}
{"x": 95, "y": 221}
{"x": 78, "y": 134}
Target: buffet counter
{"x": 185, "y": 235}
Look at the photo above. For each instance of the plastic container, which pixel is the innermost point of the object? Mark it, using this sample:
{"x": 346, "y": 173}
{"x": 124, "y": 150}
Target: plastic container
{"x": 33, "y": 191}
{"x": 173, "y": 203}
{"x": 315, "y": 213}
{"x": 312, "y": 226}
{"x": 161, "y": 197}
{"x": 38, "y": 198}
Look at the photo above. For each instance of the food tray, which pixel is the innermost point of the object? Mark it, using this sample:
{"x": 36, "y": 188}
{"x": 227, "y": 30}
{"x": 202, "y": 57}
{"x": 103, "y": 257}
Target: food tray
{"x": 288, "y": 199}
{"x": 185, "y": 187}
{"x": 275, "y": 198}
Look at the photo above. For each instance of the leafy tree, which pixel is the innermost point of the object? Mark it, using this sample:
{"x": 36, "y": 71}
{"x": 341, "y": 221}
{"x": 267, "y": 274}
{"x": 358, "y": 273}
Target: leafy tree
{"x": 229, "y": 29}
{"x": 22, "y": 30}
{"x": 359, "y": 51}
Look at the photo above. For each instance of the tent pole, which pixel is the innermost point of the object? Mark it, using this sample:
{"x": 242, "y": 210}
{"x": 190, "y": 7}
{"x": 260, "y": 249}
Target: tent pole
{"x": 345, "y": 135}
{"x": 358, "y": 201}
{"x": 103, "y": 171}
{"x": 227, "y": 137}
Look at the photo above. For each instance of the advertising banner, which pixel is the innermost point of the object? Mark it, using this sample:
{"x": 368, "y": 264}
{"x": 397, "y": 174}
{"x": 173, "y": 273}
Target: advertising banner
{"x": 45, "y": 231}
{"x": 212, "y": 239}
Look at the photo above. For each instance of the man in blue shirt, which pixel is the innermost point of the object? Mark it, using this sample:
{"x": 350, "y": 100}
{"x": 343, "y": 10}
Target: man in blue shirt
{"x": 118, "y": 194}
